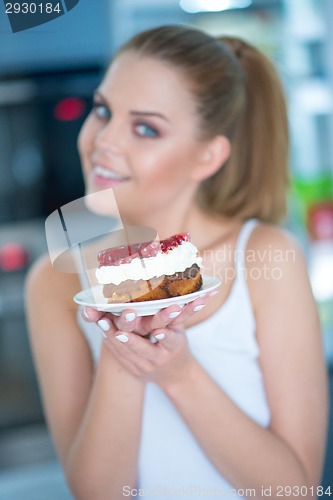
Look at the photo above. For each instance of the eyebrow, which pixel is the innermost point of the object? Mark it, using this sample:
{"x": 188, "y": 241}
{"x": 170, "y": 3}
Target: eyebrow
{"x": 134, "y": 113}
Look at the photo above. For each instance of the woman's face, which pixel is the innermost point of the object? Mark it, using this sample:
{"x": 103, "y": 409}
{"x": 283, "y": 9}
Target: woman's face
{"x": 140, "y": 138}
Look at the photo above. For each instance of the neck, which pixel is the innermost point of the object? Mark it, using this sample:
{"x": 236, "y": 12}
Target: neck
{"x": 184, "y": 215}
{"x": 175, "y": 219}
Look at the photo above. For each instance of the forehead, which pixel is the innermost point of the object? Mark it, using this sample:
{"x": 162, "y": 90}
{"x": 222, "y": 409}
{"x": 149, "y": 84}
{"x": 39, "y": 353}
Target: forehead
{"x": 147, "y": 81}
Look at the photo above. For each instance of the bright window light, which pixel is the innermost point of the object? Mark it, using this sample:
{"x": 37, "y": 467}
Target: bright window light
{"x": 194, "y": 6}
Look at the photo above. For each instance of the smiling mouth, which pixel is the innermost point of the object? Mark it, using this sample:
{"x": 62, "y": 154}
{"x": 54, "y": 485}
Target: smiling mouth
{"x": 107, "y": 174}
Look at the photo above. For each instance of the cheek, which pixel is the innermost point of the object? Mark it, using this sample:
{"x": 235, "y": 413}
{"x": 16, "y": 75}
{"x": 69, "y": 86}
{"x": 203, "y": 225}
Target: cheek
{"x": 163, "y": 178}
{"x": 171, "y": 169}
{"x": 166, "y": 165}
{"x": 86, "y": 138}
{"x": 102, "y": 202}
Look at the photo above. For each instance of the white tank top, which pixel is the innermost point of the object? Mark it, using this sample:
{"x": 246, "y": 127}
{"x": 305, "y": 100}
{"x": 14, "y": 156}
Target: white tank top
{"x": 171, "y": 462}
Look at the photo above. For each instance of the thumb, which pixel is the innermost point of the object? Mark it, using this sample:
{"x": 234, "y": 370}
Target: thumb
{"x": 91, "y": 315}
{"x": 169, "y": 339}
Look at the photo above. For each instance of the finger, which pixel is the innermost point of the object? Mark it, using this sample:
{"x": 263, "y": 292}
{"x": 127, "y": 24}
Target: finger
{"x": 167, "y": 338}
{"x": 165, "y": 317}
{"x": 107, "y": 327}
{"x": 134, "y": 344}
{"x": 138, "y": 363}
{"x": 126, "y": 321}
{"x": 158, "y": 320}
{"x": 91, "y": 315}
{"x": 188, "y": 311}
{"x": 123, "y": 359}
{"x": 211, "y": 293}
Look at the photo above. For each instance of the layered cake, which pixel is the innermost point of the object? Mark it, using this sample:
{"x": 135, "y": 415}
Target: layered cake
{"x": 150, "y": 271}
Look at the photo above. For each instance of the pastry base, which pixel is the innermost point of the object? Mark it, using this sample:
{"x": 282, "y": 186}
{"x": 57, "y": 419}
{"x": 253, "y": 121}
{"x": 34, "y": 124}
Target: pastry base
{"x": 162, "y": 287}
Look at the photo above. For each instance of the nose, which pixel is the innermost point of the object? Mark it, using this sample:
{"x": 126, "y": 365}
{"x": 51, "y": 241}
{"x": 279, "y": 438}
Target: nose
{"x": 110, "y": 137}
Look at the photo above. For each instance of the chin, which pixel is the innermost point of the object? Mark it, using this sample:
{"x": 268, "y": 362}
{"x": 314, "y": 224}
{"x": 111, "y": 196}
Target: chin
{"x": 102, "y": 202}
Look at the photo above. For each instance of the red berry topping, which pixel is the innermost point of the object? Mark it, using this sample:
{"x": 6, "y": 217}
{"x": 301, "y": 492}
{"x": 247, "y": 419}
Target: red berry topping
{"x": 173, "y": 242}
{"x": 124, "y": 254}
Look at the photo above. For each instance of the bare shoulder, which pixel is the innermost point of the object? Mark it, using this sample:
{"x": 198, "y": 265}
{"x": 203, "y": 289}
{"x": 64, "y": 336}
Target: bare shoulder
{"x": 279, "y": 283}
{"x": 49, "y": 302}
{"x": 44, "y": 281}
{"x": 268, "y": 236}
{"x": 276, "y": 264}
{"x": 61, "y": 354}
{"x": 290, "y": 344}
{"x": 279, "y": 286}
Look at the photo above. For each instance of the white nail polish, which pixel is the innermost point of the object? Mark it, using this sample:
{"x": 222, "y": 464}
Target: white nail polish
{"x": 122, "y": 338}
{"x": 198, "y": 308}
{"x": 85, "y": 314}
{"x": 174, "y": 314}
{"x": 130, "y": 316}
{"x": 160, "y": 336}
{"x": 102, "y": 323}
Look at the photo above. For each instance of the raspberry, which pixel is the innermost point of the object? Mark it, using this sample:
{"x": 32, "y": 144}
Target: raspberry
{"x": 125, "y": 254}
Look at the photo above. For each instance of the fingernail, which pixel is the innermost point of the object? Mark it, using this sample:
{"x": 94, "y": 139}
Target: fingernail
{"x": 174, "y": 314}
{"x": 214, "y": 292}
{"x": 85, "y": 314}
{"x": 160, "y": 336}
{"x": 122, "y": 338}
{"x": 198, "y": 308}
{"x": 104, "y": 325}
{"x": 130, "y": 316}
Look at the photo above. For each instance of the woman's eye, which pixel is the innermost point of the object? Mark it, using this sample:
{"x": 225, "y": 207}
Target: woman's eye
{"x": 145, "y": 130}
{"x": 101, "y": 111}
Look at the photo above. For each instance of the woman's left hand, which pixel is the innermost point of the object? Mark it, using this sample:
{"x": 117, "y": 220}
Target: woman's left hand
{"x": 153, "y": 348}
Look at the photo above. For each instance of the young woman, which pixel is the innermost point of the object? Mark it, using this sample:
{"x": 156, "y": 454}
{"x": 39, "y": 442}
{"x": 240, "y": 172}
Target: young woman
{"x": 190, "y": 132}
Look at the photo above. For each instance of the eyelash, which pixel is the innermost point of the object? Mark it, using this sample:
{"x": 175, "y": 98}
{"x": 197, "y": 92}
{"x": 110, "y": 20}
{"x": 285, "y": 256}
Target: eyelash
{"x": 142, "y": 124}
{"x": 99, "y": 106}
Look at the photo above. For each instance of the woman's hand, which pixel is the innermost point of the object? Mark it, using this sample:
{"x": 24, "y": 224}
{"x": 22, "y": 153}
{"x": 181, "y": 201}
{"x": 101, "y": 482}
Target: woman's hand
{"x": 153, "y": 348}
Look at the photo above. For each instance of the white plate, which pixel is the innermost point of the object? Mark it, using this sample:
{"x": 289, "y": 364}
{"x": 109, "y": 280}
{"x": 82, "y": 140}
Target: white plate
{"x": 93, "y": 297}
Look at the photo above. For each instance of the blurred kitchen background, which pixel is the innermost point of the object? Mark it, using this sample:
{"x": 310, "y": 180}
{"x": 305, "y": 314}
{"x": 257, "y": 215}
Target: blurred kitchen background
{"x": 47, "y": 76}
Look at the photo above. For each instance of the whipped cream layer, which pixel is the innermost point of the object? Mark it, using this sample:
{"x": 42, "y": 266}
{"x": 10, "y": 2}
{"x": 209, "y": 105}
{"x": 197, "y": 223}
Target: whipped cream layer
{"x": 174, "y": 261}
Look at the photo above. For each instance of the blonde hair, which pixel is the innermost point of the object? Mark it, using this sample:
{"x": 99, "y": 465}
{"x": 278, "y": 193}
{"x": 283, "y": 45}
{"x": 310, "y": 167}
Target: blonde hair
{"x": 239, "y": 95}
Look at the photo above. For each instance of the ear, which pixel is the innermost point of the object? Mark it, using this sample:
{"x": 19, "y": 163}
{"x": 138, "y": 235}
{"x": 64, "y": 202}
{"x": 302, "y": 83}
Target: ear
{"x": 213, "y": 155}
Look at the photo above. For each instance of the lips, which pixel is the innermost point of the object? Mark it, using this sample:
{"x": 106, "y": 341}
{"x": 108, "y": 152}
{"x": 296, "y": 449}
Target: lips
{"x": 107, "y": 173}
{"x": 106, "y": 176}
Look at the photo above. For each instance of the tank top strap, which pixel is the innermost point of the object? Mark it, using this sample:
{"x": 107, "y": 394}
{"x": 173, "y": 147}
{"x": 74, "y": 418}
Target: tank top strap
{"x": 241, "y": 244}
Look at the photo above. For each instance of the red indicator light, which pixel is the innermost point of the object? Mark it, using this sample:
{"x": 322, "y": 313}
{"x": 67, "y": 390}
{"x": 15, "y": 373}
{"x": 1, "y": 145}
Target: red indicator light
{"x": 69, "y": 109}
{"x": 13, "y": 256}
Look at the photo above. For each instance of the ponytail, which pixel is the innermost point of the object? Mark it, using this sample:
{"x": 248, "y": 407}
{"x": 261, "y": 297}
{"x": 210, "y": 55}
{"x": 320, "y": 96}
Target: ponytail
{"x": 253, "y": 181}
